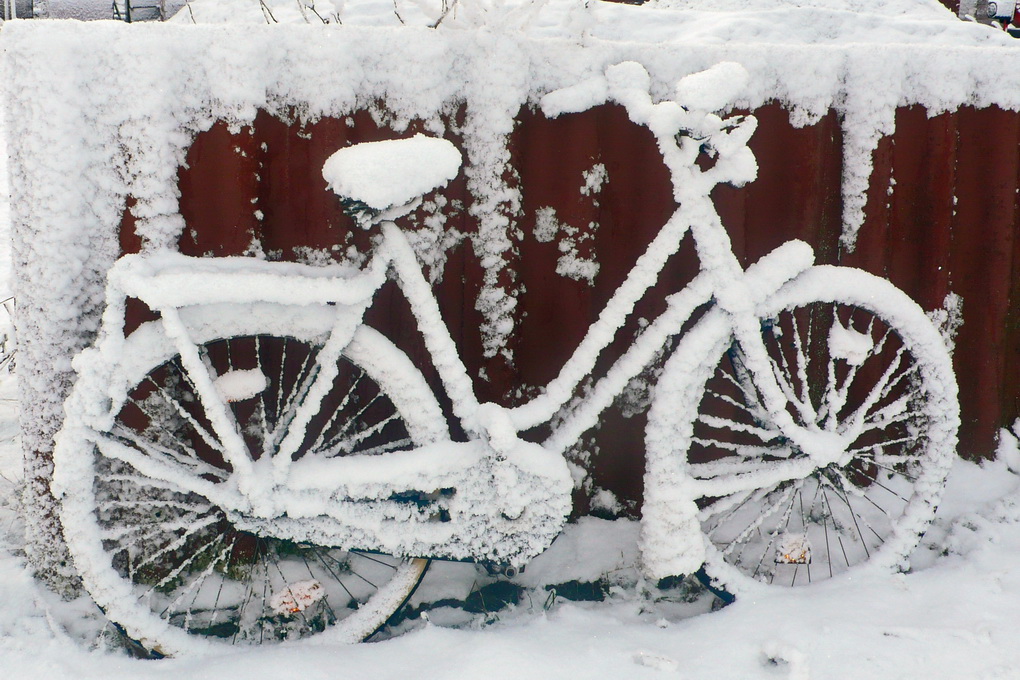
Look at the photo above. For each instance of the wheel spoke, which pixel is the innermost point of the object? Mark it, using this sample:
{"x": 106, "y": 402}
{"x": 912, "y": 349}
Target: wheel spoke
{"x": 784, "y": 521}
{"x": 756, "y": 524}
{"x": 887, "y": 421}
{"x": 249, "y": 591}
{"x": 157, "y": 504}
{"x": 841, "y": 494}
{"x": 373, "y": 559}
{"x": 193, "y": 463}
{"x": 348, "y": 445}
{"x": 783, "y": 377}
{"x": 341, "y": 408}
{"x": 839, "y": 536}
{"x": 180, "y": 568}
{"x": 286, "y": 583}
{"x": 355, "y": 419}
{"x": 886, "y": 383}
{"x": 295, "y": 398}
{"x": 840, "y": 390}
{"x": 723, "y": 509}
{"x": 743, "y": 450}
{"x": 311, "y": 574}
{"x": 196, "y": 585}
{"x": 890, "y": 470}
{"x": 263, "y": 397}
{"x": 742, "y": 380}
{"x": 861, "y": 451}
{"x": 730, "y": 401}
{"x": 351, "y": 568}
{"x": 178, "y": 477}
{"x": 309, "y": 402}
{"x": 727, "y": 424}
{"x": 202, "y": 432}
{"x": 229, "y": 551}
{"x": 396, "y": 445}
{"x": 801, "y": 359}
{"x": 333, "y": 572}
{"x": 732, "y": 465}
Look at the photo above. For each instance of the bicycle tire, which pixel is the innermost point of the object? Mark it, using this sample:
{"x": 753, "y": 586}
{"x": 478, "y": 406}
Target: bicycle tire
{"x": 882, "y": 380}
{"x": 142, "y": 544}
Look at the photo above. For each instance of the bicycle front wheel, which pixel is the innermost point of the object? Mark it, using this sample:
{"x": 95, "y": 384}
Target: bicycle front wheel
{"x": 860, "y": 365}
{"x": 170, "y": 563}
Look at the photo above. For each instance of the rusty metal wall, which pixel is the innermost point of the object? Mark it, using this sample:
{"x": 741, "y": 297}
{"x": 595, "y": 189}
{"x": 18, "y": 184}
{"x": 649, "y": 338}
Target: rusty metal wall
{"x": 949, "y": 224}
{"x": 946, "y": 225}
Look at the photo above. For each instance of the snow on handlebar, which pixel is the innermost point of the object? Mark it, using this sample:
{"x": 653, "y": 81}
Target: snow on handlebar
{"x": 691, "y": 115}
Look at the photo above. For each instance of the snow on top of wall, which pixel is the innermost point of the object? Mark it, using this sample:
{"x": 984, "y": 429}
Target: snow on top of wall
{"x": 771, "y": 21}
{"x": 887, "y": 7}
{"x": 871, "y": 73}
{"x": 822, "y": 22}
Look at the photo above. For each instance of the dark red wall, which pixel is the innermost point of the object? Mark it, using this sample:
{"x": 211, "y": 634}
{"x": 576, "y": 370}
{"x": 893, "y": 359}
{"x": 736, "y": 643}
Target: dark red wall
{"x": 948, "y": 225}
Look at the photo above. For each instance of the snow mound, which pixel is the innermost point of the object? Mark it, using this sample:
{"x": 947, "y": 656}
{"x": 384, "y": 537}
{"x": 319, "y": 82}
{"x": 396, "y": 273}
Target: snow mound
{"x": 586, "y": 551}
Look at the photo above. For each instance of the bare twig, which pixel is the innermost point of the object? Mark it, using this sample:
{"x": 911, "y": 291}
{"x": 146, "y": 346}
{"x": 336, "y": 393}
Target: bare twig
{"x": 316, "y": 13}
{"x": 270, "y": 19}
{"x": 447, "y": 8}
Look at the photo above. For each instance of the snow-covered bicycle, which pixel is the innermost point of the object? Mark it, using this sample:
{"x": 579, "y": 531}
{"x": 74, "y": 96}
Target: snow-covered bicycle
{"x": 240, "y": 468}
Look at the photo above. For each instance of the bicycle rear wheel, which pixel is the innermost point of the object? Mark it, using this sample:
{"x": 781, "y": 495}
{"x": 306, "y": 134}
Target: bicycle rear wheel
{"x": 177, "y": 569}
{"x": 859, "y": 363}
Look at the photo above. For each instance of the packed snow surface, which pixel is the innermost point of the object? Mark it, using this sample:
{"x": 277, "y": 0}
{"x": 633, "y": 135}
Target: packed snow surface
{"x": 952, "y": 618}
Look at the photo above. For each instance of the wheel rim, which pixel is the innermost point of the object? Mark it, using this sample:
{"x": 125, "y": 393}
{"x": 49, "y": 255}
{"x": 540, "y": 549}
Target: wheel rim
{"x": 186, "y": 562}
{"x": 838, "y": 365}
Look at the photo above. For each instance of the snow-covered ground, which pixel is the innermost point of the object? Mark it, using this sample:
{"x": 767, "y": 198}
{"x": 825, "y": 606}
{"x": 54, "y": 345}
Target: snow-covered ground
{"x": 953, "y": 617}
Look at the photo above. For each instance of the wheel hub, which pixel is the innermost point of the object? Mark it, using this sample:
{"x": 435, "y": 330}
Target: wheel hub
{"x": 824, "y": 448}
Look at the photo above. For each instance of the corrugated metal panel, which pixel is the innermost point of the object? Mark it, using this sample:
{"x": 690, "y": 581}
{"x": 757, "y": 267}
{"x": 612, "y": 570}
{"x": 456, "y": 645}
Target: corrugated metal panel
{"x": 941, "y": 215}
{"x": 941, "y": 218}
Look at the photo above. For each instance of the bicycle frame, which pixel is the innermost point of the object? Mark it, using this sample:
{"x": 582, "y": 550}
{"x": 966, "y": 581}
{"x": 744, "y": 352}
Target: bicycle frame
{"x": 736, "y": 292}
{"x": 259, "y": 437}
{"x": 350, "y": 500}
